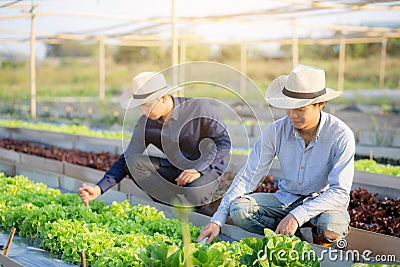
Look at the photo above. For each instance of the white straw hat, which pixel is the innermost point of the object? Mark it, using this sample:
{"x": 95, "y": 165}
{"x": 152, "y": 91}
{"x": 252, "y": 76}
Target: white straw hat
{"x": 146, "y": 86}
{"x": 304, "y": 85}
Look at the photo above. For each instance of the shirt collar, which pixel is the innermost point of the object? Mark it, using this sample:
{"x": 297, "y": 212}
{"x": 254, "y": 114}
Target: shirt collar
{"x": 175, "y": 111}
{"x": 322, "y": 121}
{"x": 321, "y": 124}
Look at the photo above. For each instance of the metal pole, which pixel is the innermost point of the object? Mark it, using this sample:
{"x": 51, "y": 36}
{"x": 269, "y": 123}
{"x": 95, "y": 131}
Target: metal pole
{"x": 102, "y": 69}
{"x": 182, "y": 51}
{"x": 342, "y": 53}
{"x": 174, "y": 43}
{"x": 295, "y": 44}
{"x": 243, "y": 68}
{"x": 32, "y": 65}
{"x": 383, "y": 63}
{"x": 182, "y": 59}
{"x": 174, "y": 36}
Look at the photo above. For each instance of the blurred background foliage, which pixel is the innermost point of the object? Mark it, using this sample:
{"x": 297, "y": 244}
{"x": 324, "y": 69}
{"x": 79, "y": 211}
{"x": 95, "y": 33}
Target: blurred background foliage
{"x": 70, "y": 68}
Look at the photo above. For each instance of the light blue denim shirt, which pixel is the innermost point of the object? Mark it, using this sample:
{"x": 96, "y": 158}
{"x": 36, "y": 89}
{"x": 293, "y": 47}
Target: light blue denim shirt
{"x": 325, "y": 166}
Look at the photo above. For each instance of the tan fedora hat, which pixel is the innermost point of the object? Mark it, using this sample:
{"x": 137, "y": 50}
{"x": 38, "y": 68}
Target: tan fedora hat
{"x": 146, "y": 86}
{"x": 304, "y": 85}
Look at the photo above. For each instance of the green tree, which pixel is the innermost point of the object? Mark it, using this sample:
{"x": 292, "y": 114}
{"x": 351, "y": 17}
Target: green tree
{"x": 362, "y": 50}
{"x": 230, "y": 52}
{"x": 128, "y": 54}
{"x": 136, "y": 54}
{"x": 70, "y": 48}
{"x": 393, "y": 46}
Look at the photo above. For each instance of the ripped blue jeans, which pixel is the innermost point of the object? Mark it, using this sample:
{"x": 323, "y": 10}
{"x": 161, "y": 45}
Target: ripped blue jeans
{"x": 257, "y": 211}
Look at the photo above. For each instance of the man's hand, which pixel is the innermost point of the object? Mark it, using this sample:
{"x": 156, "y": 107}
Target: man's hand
{"x": 211, "y": 230}
{"x": 187, "y": 176}
{"x": 88, "y": 193}
{"x": 287, "y": 226}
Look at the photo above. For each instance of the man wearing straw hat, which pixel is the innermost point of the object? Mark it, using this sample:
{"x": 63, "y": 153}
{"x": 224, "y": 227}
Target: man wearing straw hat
{"x": 189, "y": 141}
{"x": 316, "y": 154}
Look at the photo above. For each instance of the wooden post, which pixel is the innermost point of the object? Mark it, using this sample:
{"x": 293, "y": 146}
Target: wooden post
{"x": 243, "y": 68}
{"x": 10, "y": 238}
{"x": 83, "y": 259}
{"x": 295, "y": 44}
{"x": 182, "y": 59}
{"x": 342, "y": 53}
{"x": 102, "y": 69}
{"x": 382, "y": 63}
{"x": 357, "y": 135}
{"x": 174, "y": 36}
{"x": 182, "y": 54}
{"x": 174, "y": 44}
{"x": 32, "y": 65}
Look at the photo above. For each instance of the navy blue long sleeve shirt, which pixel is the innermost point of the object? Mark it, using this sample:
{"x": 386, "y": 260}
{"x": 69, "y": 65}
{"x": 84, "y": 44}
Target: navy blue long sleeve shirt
{"x": 193, "y": 137}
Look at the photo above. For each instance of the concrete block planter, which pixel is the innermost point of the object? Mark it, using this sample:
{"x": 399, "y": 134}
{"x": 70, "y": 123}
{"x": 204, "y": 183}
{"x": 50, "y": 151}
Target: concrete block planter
{"x": 97, "y": 145}
{"x": 384, "y": 185}
{"x": 7, "y": 167}
{"x": 378, "y": 151}
{"x": 9, "y": 155}
{"x": 128, "y": 187}
{"x": 42, "y": 137}
{"x": 38, "y": 175}
{"x": 83, "y": 173}
{"x": 46, "y": 164}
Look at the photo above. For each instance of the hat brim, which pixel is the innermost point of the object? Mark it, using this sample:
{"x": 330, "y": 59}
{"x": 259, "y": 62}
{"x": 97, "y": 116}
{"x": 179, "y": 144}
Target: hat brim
{"x": 128, "y": 102}
{"x": 276, "y": 98}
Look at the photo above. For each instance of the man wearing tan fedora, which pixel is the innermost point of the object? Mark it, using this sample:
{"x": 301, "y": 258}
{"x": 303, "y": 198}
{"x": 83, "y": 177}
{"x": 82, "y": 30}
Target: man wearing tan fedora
{"x": 316, "y": 154}
{"x": 177, "y": 148}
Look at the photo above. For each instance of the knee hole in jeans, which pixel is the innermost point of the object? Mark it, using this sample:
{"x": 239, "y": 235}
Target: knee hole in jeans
{"x": 331, "y": 235}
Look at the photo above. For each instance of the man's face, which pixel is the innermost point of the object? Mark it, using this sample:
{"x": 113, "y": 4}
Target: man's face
{"x": 305, "y": 118}
{"x": 153, "y": 109}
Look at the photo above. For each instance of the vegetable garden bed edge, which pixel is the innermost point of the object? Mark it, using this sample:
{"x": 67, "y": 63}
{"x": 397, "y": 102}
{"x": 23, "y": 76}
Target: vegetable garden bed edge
{"x": 359, "y": 240}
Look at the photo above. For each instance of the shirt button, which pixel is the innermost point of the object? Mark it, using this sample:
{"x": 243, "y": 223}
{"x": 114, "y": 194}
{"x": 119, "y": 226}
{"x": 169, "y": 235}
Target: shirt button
{"x": 302, "y": 167}
{"x": 299, "y": 183}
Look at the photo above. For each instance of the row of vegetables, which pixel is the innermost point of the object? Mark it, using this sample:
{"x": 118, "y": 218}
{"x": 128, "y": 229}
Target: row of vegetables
{"x": 367, "y": 211}
{"x": 385, "y": 165}
{"x": 104, "y": 160}
{"x": 124, "y": 235}
{"x": 62, "y": 128}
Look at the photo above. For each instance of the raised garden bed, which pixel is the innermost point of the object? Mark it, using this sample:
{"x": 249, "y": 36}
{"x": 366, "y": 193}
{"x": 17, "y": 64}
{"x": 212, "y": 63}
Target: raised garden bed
{"x": 120, "y": 233}
{"x": 38, "y": 210}
{"x": 99, "y": 162}
{"x": 81, "y": 171}
{"x": 83, "y": 138}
